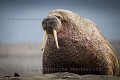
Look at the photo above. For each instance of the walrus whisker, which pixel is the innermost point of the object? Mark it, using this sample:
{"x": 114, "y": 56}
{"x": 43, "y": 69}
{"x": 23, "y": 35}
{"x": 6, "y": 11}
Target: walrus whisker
{"x": 44, "y": 39}
{"x": 55, "y": 36}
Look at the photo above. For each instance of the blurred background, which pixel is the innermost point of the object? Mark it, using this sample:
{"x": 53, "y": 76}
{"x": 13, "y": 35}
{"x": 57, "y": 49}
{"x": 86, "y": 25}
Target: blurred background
{"x": 21, "y": 32}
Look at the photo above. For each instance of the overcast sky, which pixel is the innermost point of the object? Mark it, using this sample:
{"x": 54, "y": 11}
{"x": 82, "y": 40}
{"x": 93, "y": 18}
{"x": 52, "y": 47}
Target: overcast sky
{"x": 20, "y": 20}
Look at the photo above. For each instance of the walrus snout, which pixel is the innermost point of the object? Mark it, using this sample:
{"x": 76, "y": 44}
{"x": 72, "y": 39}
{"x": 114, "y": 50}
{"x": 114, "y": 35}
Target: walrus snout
{"x": 50, "y": 26}
{"x": 50, "y": 23}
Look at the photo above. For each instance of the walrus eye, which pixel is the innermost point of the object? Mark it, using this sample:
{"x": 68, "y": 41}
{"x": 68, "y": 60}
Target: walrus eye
{"x": 58, "y": 17}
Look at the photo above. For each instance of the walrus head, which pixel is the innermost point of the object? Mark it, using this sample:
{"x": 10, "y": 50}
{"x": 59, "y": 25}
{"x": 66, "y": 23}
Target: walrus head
{"x": 51, "y": 25}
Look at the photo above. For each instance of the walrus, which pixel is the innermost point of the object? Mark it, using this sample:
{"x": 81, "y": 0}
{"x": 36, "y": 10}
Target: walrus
{"x": 74, "y": 44}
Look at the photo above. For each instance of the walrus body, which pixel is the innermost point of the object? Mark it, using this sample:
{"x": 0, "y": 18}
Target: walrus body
{"x": 82, "y": 48}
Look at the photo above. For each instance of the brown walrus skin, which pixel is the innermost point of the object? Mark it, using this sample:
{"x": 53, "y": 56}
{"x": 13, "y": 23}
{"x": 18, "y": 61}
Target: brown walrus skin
{"x": 81, "y": 49}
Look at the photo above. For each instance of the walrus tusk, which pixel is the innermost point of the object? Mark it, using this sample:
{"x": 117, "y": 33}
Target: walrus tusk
{"x": 55, "y": 36}
{"x": 44, "y": 39}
